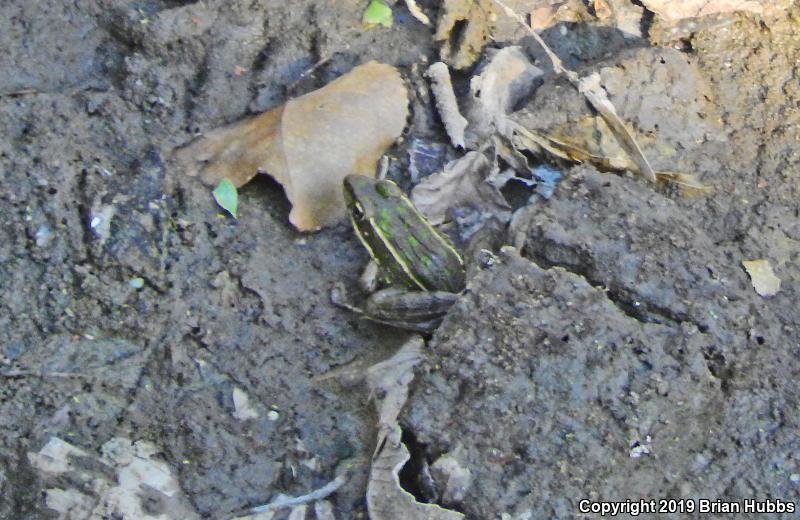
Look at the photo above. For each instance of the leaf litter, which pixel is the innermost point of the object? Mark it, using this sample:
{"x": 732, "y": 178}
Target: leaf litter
{"x": 463, "y": 29}
{"x": 506, "y": 79}
{"x": 446, "y": 103}
{"x": 124, "y": 482}
{"x": 347, "y": 124}
{"x": 275, "y": 141}
{"x": 465, "y": 181}
{"x": 388, "y": 382}
{"x": 764, "y": 280}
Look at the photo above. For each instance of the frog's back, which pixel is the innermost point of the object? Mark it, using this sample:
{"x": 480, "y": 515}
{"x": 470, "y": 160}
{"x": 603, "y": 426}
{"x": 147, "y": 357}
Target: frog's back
{"x": 427, "y": 259}
{"x": 408, "y": 250}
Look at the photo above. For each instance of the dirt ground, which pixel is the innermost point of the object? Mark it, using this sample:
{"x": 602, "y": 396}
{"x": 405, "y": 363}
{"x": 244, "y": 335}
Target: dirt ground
{"x": 622, "y": 353}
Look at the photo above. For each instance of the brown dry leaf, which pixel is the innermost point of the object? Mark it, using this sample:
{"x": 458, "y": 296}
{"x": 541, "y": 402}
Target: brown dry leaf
{"x": 543, "y": 16}
{"x": 679, "y": 9}
{"x": 591, "y": 88}
{"x": 763, "y": 277}
{"x": 464, "y": 27}
{"x": 590, "y": 140}
{"x": 603, "y": 10}
{"x": 689, "y": 185}
{"x": 310, "y": 143}
{"x": 461, "y": 183}
{"x": 592, "y": 135}
{"x": 388, "y": 380}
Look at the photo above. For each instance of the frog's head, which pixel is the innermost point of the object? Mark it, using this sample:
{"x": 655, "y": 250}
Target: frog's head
{"x": 365, "y": 196}
{"x": 374, "y": 207}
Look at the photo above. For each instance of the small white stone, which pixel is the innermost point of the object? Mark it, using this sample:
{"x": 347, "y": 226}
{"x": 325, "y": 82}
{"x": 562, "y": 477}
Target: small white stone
{"x": 273, "y": 415}
{"x": 243, "y": 410}
{"x": 44, "y": 235}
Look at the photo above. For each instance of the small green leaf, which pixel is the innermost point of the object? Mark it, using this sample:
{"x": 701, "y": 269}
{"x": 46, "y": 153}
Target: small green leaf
{"x": 377, "y": 13}
{"x": 227, "y": 197}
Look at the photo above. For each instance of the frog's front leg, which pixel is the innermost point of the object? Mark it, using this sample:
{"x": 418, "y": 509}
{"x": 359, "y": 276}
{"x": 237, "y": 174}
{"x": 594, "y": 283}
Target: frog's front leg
{"x": 420, "y": 311}
{"x": 368, "y": 281}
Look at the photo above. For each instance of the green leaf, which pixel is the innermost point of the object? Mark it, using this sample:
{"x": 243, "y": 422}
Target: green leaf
{"x": 227, "y": 197}
{"x": 377, "y": 13}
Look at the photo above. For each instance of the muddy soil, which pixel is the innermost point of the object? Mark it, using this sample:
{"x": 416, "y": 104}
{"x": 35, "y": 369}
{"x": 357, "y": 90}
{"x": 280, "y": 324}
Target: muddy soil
{"x": 621, "y": 353}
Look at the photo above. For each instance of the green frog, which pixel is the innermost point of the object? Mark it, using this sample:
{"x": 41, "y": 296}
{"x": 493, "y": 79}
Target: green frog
{"x": 420, "y": 270}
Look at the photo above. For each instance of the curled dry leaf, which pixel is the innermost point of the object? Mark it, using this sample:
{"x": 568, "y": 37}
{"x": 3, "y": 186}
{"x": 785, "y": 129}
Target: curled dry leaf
{"x": 591, "y": 88}
{"x": 464, "y": 27}
{"x": 388, "y": 381}
{"x": 508, "y": 78}
{"x": 310, "y": 143}
{"x": 764, "y": 280}
{"x": 463, "y": 182}
{"x": 387, "y": 500}
{"x": 446, "y": 104}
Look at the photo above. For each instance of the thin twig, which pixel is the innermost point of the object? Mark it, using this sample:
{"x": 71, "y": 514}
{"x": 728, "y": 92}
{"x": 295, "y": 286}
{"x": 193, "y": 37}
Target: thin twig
{"x": 21, "y": 92}
{"x": 308, "y": 71}
{"x": 558, "y": 65}
{"x": 32, "y": 373}
{"x": 319, "y": 494}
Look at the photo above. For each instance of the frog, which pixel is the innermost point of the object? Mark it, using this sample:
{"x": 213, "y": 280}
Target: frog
{"x": 415, "y": 272}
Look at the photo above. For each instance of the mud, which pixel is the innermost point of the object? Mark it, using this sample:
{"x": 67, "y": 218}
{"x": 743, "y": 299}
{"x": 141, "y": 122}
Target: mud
{"x": 622, "y": 354}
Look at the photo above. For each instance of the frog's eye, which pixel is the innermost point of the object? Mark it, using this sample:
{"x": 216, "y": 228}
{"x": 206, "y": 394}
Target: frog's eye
{"x": 358, "y": 211}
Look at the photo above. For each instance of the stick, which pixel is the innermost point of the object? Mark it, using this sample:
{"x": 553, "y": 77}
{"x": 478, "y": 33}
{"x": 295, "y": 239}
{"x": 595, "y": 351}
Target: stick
{"x": 319, "y": 494}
